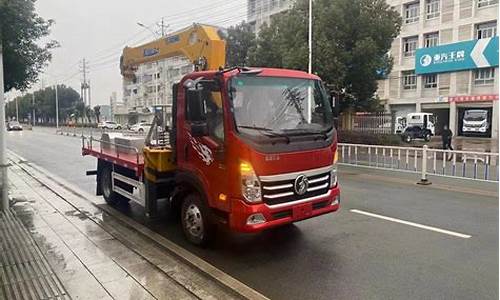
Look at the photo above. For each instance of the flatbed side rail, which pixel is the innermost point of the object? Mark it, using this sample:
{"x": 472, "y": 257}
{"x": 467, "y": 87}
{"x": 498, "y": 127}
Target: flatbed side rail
{"x": 113, "y": 151}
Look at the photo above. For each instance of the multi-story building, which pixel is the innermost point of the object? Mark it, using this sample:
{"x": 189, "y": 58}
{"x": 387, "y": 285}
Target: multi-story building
{"x": 152, "y": 86}
{"x": 439, "y": 65}
{"x": 261, "y": 11}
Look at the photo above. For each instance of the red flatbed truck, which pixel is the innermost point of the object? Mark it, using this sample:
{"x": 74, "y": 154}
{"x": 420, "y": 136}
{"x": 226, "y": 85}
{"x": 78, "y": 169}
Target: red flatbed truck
{"x": 249, "y": 149}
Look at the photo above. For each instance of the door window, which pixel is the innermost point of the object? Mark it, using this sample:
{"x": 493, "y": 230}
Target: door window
{"x": 205, "y": 106}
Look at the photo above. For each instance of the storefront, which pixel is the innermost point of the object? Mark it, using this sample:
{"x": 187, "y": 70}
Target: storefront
{"x": 467, "y": 76}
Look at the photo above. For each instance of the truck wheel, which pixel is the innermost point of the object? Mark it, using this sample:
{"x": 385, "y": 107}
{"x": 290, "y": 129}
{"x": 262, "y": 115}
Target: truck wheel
{"x": 195, "y": 220}
{"x": 427, "y": 137}
{"x": 107, "y": 190}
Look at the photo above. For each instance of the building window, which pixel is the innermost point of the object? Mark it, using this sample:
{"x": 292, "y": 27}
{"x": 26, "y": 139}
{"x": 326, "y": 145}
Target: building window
{"x": 251, "y": 5}
{"x": 486, "y": 30}
{"x": 430, "y": 81}
{"x": 432, "y": 9}
{"x": 409, "y": 46}
{"x": 412, "y": 12}
{"x": 483, "y": 3}
{"x": 409, "y": 80}
{"x": 484, "y": 76}
{"x": 431, "y": 39}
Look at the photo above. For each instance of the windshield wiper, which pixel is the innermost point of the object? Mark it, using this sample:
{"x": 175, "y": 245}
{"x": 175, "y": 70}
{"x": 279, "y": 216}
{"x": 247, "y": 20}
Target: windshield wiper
{"x": 267, "y": 132}
{"x": 255, "y": 127}
{"x": 299, "y": 132}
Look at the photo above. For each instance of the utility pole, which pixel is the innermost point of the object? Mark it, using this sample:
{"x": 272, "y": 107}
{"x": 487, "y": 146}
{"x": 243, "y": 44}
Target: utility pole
{"x": 89, "y": 95}
{"x": 162, "y": 28}
{"x": 310, "y": 36}
{"x": 85, "y": 86}
{"x": 57, "y": 108}
{"x": 4, "y": 202}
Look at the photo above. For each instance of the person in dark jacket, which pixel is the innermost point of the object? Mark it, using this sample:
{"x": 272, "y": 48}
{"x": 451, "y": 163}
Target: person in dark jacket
{"x": 446, "y": 138}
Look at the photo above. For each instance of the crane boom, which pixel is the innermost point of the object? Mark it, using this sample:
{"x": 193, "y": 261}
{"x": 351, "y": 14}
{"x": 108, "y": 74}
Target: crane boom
{"x": 200, "y": 44}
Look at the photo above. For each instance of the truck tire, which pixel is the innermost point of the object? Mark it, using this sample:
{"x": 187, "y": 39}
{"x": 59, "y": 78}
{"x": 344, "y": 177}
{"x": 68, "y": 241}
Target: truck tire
{"x": 195, "y": 219}
{"x": 407, "y": 138}
{"x": 427, "y": 136}
{"x": 107, "y": 190}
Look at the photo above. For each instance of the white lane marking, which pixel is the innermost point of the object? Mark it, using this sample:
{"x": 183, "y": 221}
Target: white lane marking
{"x": 453, "y": 233}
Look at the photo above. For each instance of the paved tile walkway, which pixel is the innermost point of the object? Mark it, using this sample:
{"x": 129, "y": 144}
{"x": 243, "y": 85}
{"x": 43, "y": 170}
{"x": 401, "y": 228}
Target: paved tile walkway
{"x": 92, "y": 254}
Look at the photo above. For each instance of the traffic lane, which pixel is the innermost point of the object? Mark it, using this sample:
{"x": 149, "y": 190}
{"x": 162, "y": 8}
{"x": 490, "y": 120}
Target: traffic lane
{"x": 343, "y": 255}
{"x": 348, "y": 256}
{"x": 397, "y": 195}
{"x": 60, "y": 155}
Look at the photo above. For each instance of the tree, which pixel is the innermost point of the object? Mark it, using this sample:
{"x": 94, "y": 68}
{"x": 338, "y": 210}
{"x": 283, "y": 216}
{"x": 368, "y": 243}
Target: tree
{"x": 20, "y": 32}
{"x": 351, "y": 39}
{"x": 240, "y": 39}
{"x": 45, "y": 108}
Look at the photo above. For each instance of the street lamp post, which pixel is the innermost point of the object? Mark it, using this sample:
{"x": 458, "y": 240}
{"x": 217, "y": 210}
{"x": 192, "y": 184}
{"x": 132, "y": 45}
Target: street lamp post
{"x": 17, "y": 110}
{"x": 144, "y": 26}
{"x": 310, "y": 37}
{"x": 4, "y": 202}
{"x": 57, "y": 108}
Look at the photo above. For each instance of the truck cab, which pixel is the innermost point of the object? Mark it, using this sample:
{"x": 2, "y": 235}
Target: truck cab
{"x": 419, "y": 126}
{"x": 475, "y": 122}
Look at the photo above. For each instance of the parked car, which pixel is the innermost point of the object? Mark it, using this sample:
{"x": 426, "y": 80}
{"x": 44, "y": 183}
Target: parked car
{"x": 140, "y": 127}
{"x": 14, "y": 125}
{"x": 109, "y": 125}
{"x": 416, "y": 132}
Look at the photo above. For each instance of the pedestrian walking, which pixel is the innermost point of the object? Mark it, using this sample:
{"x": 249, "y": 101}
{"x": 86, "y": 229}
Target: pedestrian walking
{"x": 446, "y": 139}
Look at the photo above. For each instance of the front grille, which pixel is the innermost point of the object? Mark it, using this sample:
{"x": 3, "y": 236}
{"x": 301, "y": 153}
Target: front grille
{"x": 280, "y": 189}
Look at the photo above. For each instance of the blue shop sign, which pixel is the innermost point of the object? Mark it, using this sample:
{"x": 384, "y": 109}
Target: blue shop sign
{"x": 482, "y": 53}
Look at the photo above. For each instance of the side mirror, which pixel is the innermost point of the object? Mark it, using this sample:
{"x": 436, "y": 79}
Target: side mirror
{"x": 199, "y": 129}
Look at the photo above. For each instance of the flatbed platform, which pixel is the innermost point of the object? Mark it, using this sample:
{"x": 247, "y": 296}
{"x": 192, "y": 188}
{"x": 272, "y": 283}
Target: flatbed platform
{"x": 131, "y": 158}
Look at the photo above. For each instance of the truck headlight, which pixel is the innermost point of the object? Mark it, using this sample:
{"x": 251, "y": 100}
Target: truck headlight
{"x": 250, "y": 185}
{"x": 333, "y": 172}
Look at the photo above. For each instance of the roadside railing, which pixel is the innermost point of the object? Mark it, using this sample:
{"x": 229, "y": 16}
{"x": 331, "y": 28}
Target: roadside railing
{"x": 426, "y": 161}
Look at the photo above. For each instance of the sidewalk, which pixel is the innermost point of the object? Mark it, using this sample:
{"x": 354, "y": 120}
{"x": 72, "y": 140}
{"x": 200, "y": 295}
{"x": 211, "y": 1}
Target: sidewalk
{"x": 83, "y": 252}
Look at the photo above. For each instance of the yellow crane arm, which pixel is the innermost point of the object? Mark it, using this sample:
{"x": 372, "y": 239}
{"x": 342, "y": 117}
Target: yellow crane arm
{"x": 201, "y": 44}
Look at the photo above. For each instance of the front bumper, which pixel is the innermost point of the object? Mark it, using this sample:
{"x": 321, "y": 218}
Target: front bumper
{"x": 281, "y": 214}
{"x": 474, "y": 129}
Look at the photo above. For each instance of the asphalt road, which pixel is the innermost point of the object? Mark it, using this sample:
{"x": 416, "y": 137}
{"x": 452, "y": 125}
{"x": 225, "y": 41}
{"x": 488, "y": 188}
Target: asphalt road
{"x": 392, "y": 239}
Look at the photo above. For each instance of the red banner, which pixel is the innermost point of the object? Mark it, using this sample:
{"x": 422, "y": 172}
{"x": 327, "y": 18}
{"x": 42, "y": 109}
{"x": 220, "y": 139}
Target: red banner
{"x": 473, "y": 98}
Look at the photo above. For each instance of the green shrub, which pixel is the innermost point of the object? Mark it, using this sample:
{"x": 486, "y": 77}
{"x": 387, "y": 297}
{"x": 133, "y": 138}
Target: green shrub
{"x": 357, "y": 137}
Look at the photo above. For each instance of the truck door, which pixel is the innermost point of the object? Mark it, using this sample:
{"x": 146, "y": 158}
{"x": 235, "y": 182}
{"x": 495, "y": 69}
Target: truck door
{"x": 201, "y": 151}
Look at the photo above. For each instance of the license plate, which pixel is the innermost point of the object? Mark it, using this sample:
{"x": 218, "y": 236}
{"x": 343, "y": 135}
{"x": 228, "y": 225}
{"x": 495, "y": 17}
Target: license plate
{"x": 302, "y": 211}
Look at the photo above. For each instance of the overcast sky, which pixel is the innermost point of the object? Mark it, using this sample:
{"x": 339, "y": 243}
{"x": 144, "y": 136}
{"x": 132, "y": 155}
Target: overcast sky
{"x": 99, "y": 29}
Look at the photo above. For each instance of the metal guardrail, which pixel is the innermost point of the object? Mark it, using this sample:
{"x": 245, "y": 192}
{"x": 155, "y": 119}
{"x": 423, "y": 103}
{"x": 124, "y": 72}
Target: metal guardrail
{"x": 427, "y": 161}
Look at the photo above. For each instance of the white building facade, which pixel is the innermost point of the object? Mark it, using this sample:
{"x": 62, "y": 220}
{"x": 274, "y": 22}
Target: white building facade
{"x": 152, "y": 87}
{"x": 261, "y": 11}
{"x": 448, "y": 93}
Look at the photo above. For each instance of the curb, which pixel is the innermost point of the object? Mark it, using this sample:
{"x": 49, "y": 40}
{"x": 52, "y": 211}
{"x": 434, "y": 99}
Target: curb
{"x": 187, "y": 257}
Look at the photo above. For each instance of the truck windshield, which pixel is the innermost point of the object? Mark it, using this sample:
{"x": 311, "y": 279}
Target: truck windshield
{"x": 288, "y": 106}
{"x": 475, "y": 115}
